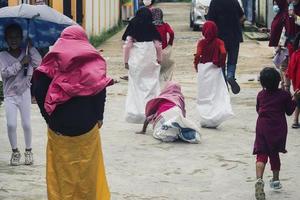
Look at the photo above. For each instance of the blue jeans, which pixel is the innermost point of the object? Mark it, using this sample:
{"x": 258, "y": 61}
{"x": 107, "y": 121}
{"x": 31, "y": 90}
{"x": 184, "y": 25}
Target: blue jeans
{"x": 232, "y": 58}
{"x": 248, "y": 9}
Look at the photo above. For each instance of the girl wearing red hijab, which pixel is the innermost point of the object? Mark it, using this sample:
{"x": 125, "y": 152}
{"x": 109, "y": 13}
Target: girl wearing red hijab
{"x": 213, "y": 98}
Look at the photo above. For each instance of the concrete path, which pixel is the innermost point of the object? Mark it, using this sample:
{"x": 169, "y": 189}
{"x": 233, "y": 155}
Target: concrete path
{"x": 141, "y": 168}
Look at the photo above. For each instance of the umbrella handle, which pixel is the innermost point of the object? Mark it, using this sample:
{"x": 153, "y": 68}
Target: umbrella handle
{"x": 26, "y": 65}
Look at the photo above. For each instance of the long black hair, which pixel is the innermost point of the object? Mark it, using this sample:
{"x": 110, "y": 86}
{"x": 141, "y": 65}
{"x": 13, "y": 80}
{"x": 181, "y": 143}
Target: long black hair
{"x": 141, "y": 27}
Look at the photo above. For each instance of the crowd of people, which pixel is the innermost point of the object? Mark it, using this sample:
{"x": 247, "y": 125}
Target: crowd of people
{"x": 70, "y": 90}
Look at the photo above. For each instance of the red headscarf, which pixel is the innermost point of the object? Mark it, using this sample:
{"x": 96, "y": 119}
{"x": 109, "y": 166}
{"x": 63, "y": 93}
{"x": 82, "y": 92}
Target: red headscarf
{"x": 211, "y": 48}
{"x": 75, "y": 67}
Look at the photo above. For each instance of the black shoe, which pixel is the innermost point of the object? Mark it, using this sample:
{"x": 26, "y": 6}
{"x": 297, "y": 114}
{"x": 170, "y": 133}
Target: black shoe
{"x": 235, "y": 88}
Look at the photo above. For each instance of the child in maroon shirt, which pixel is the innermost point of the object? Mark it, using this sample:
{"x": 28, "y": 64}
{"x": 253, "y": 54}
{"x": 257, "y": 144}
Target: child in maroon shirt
{"x": 271, "y": 127}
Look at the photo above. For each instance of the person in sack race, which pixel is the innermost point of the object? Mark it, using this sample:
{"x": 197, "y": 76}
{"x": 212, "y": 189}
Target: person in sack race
{"x": 142, "y": 55}
{"x": 147, "y": 4}
{"x": 165, "y": 31}
{"x": 229, "y": 17}
{"x": 16, "y": 89}
{"x": 71, "y": 96}
{"x": 271, "y": 127}
{"x": 213, "y": 101}
{"x": 293, "y": 74}
{"x": 167, "y": 114}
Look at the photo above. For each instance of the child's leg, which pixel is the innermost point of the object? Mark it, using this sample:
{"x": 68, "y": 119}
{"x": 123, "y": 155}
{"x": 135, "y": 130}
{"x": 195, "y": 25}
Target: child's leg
{"x": 261, "y": 160}
{"x": 275, "y": 165}
{"x": 25, "y": 108}
{"x": 296, "y": 115}
{"x": 11, "y": 118}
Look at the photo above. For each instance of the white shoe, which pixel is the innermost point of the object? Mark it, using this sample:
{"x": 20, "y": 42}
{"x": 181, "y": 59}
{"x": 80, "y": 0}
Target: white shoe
{"x": 15, "y": 158}
{"x": 28, "y": 158}
{"x": 259, "y": 190}
{"x": 276, "y": 185}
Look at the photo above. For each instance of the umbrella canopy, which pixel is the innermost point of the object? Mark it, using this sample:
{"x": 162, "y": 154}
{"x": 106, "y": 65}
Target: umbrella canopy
{"x": 40, "y": 23}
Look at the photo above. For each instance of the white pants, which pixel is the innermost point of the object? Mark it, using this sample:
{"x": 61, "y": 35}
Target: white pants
{"x": 12, "y": 105}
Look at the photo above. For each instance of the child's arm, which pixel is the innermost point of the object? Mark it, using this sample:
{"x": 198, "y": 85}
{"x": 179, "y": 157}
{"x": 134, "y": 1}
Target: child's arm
{"x": 158, "y": 48}
{"x": 197, "y": 55}
{"x": 171, "y": 34}
{"x": 126, "y": 48}
{"x": 146, "y": 123}
{"x": 257, "y": 103}
{"x": 291, "y": 103}
{"x": 35, "y": 56}
{"x": 10, "y": 70}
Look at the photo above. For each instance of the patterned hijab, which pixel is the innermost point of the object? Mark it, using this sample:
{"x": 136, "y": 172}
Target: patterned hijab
{"x": 157, "y": 16}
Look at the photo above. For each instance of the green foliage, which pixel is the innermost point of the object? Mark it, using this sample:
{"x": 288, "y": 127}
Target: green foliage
{"x": 97, "y": 40}
{"x": 125, "y": 1}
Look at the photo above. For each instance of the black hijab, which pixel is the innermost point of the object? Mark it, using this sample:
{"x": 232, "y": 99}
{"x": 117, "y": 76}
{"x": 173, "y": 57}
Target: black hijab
{"x": 141, "y": 27}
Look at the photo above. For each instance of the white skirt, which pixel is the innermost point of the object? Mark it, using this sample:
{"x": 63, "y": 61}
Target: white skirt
{"x": 167, "y": 65}
{"x": 143, "y": 83}
{"x": 213, "y": 102}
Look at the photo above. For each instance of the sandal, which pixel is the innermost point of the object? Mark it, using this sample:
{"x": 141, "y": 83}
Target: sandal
{"x": 296, "y": 125}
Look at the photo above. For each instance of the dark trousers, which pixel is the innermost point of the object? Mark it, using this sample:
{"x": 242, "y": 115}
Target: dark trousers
{"x": 232, "y": 58}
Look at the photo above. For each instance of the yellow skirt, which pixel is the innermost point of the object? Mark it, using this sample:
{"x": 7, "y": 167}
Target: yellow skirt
{"x": 75, "y": 168}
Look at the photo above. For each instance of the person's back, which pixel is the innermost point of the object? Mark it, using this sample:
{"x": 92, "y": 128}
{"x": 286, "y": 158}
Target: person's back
{"x": 165, "y": 29}
{"x": 273, "y": 105}
{"x": 227, "y": 15}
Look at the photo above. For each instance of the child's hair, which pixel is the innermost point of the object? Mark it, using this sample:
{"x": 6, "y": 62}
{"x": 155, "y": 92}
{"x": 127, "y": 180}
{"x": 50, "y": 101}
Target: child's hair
{"x": 270, "y": 78}
{"x": 13, "y": 27}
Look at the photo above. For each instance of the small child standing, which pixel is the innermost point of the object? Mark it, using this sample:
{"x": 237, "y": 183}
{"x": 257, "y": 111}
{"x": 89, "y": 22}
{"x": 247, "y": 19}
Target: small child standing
{"x": 16, "y": 89}
{"x": 167, "y": 37}
{"x": 271, "y": 127}
{"x": 213, "y": 101}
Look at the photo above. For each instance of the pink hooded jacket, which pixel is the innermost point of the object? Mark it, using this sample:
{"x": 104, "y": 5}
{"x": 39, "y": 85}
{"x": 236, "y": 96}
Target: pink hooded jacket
{"x": 75, "y": 67}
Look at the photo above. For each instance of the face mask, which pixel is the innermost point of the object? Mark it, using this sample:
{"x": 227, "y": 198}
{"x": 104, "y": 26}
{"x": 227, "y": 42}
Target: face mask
{"x": 147, "y": 2}
{"x": 276, "y": 9}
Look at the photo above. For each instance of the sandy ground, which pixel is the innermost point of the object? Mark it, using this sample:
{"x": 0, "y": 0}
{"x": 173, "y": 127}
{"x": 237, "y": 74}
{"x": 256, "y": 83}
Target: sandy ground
{"x": 141, "y": 168}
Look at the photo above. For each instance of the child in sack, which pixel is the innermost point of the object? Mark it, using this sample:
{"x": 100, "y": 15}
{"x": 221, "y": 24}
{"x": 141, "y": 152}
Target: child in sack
{"x": 167, "y": 36}
{"x": 213, "y": 102}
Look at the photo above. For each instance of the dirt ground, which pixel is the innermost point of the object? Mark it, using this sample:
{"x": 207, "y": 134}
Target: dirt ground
{"x": 141, "y": 168}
